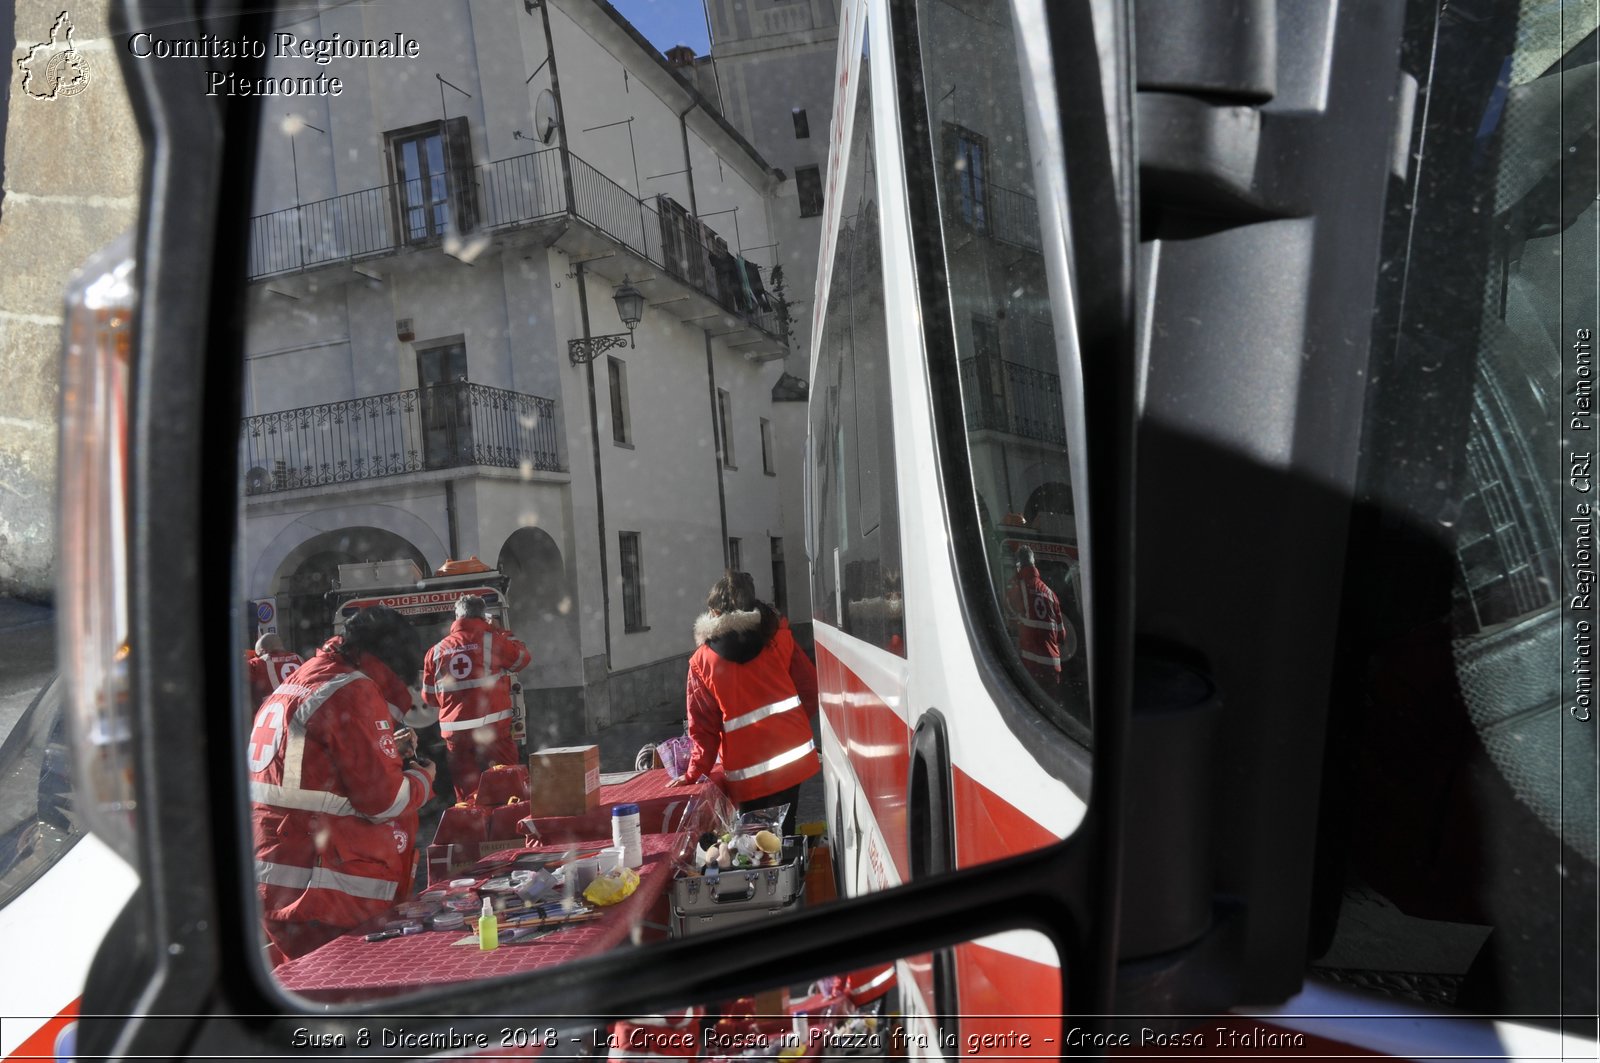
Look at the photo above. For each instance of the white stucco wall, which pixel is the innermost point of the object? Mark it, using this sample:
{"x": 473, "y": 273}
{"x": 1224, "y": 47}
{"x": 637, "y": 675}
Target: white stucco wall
{"x": 330, "y": 334}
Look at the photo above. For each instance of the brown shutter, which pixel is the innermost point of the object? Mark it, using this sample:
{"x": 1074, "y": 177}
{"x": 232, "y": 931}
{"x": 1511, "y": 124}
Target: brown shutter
{"x": 463, "y": 175}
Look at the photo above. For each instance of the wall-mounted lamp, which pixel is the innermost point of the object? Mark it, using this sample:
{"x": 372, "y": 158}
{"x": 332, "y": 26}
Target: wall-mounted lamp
{"x": 630, "y": 308}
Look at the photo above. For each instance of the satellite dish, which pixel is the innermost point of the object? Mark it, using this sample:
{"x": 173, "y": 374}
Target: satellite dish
{"x": 545, "y": 116}
{"x": 256, "y": 481}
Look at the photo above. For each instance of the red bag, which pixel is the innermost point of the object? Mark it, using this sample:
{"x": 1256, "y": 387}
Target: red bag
{"x": 463, "y": 825}
{"x": 501, "y": 784}
{"x": 503, "y": 821}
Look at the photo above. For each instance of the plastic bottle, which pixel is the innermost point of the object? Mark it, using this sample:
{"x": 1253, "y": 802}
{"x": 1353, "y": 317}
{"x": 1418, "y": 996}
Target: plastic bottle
{"x": 625, "y": 834}
{"x": 488, "y": 927}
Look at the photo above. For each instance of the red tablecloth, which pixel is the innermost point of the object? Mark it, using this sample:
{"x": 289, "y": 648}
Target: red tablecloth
{"x": 350, "y": 968}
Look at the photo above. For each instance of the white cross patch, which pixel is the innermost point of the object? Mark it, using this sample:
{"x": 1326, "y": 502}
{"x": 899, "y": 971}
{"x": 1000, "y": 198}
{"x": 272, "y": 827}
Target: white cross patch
{"x": 267, "y": 735}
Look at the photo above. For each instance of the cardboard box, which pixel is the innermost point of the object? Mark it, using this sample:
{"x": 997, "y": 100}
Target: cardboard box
{"x": 564, "y": 781}
{"x": 774, "y": 1003}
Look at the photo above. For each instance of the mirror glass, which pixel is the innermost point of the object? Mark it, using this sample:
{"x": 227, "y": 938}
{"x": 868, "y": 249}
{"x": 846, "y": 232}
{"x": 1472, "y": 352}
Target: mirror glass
{"x": 546, "y": 614}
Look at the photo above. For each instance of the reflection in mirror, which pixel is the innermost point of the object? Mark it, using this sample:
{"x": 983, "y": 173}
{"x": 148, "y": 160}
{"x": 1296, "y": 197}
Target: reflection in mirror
{"x": 518, "y": 328}
{"x": 529, "y": 647}
{"x": 1010, "y": 1008}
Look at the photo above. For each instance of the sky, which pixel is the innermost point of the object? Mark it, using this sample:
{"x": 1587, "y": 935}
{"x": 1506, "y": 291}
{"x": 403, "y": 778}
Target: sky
{"x": 666, "y": 23}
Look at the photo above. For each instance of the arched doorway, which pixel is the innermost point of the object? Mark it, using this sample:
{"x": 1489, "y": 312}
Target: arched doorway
{"x": 305, "y": 620}
{"x": 544, "y": 614}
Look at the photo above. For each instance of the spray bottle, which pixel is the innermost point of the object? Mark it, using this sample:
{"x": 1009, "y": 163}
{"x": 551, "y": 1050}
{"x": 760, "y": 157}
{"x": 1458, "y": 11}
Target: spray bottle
{"x": 488, "y": 927}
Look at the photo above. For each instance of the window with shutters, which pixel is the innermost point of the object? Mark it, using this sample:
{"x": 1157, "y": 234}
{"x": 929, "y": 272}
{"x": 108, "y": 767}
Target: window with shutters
{"x": 434, "y": 190}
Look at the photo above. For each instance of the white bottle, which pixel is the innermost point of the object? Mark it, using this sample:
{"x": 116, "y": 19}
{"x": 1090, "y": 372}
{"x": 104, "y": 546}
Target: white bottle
{"x": 625, "y": 834}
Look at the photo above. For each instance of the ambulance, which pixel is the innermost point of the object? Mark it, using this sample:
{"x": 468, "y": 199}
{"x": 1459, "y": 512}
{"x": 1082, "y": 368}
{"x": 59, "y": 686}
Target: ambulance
{"x": 429, "y": 604}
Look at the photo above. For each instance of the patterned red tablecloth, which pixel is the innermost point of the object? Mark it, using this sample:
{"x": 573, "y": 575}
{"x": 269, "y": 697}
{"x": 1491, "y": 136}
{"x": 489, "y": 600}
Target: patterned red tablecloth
{"x": 352, "y": 968}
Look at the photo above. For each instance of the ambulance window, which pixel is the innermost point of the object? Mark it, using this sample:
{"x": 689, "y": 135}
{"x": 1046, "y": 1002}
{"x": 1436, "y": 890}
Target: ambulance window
{"x": 857, "y": 573}
{"x": 1005, "y": 360}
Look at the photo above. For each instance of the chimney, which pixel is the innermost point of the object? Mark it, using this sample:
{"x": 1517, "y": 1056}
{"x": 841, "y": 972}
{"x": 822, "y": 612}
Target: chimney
{"x": 680, "y": 55}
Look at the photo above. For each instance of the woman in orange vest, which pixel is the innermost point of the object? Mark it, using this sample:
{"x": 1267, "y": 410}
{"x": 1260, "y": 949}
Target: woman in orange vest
{"x": 752, "y": 694}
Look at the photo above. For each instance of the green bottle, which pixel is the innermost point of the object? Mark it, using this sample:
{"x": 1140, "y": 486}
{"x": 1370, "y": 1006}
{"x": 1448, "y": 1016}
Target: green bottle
{"x": 488, "y": 927}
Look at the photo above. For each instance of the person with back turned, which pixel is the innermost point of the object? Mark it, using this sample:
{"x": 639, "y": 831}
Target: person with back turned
{"x": 333, "y": 796}
{"x": 752, "y": 694}
{"x": 1041, "y": 632}
{"x": 269, "y": 667}
{"x": 467, "y": 677}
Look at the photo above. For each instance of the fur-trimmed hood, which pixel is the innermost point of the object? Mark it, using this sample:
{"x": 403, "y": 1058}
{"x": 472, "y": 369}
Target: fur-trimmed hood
{"x": 737, "y": 636}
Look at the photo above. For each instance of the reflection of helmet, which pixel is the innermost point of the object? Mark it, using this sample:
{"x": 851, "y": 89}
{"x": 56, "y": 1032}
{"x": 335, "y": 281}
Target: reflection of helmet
{"x": 384, "y": 633}
{"x": 1025, "y": 556}
{"x": 269, "y": 643}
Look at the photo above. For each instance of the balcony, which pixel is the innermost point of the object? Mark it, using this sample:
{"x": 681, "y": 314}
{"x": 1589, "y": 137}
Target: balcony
{"x": 444, "y": 426}
{"x": 505, "y": 196}
{"x": 1013, "y": 217}
{"x": 1009, "y": 397}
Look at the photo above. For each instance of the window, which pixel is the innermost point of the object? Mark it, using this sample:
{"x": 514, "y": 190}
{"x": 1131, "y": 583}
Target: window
{"x": 621, "y": 428}
{"x": 725, "y": 427}
{"x": 808, "y": 183}
{"x": 857, "y": 573}
{"x": 969, "y": 174}
{"x": 632, "y": 581}
{"x": 1462, "y": 783}
{"x": 780, "y": 577}
{"x": 735, "y": 554}
{"x": 435, "y": 188}
{"x": 802, "y": 126}
{"x": 1011, "y": 393}
{"x": 766, "y": 448}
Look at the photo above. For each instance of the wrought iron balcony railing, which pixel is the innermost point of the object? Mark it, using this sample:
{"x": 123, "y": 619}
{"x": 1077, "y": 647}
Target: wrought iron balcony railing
{"x": 1010, "y": 397}
{"x": 443, "y": 426}
{"x": 1014, "y": 217}
{"x": 502, "y": 195}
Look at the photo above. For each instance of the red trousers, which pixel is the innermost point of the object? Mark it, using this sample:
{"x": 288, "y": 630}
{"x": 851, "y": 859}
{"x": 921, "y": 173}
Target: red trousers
{"x": 474, "y": 752}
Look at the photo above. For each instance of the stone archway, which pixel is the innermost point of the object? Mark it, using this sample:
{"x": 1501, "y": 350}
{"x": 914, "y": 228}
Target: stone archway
{"x": 305, "y": 576}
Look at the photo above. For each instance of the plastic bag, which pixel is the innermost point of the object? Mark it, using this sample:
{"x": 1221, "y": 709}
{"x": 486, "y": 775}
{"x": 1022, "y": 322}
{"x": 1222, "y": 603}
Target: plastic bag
{"x": 770, "y": 819}
{"x": 675, "y": 754}
{"x": 612, "y": 887}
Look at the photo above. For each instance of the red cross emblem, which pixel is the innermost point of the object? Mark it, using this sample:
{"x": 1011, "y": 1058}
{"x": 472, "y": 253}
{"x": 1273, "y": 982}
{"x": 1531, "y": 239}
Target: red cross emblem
{"x": 461, "y": 665}
{"x": 266, "y": 736}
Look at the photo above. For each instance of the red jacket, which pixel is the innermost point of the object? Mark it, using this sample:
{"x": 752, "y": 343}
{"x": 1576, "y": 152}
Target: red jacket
{"x": 333, "y": 808}
{"x": 1038, "y": 613}
{"x": 752, "y": 693}
{"x": 467, "y": 676}
{"x": 268, "y": 671}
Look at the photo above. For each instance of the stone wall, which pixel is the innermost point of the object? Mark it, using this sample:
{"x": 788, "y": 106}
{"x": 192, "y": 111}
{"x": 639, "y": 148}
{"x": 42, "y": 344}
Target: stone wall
{"x": 72, "y": 166}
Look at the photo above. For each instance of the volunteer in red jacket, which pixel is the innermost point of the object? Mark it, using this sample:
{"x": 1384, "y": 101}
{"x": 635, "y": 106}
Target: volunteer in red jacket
{"x": 333, "y": 802}
{"x": 467, "y": 677}
{"x": 269, "y": 667}
{"x": 752, "y": 693}
{"x": 1040, "y": 630}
